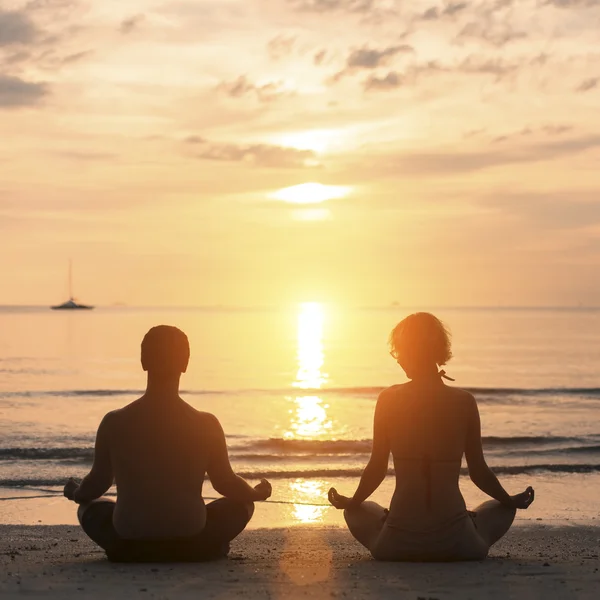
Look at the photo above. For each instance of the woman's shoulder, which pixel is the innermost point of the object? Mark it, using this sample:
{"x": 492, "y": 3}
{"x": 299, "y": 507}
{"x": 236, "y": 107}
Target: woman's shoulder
{"x": 459, "y": 394}
{"x": 391, "y": 392}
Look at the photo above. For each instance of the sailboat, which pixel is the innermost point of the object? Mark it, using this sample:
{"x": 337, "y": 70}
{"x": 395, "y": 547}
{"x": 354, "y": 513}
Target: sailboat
{"x": 70, "y": 304}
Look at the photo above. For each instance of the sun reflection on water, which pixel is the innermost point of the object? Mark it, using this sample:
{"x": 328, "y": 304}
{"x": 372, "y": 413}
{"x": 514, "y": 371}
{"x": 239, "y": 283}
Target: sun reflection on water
{"x": 308, "y": 490}
{"x": 310, "y": 346}
{"x": 309, "y": 418}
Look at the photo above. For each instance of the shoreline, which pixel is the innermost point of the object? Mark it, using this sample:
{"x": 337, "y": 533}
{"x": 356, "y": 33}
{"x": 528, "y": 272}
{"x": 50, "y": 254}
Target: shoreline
{"x": 303, "y": 503}
{"x": 531, "y": 561}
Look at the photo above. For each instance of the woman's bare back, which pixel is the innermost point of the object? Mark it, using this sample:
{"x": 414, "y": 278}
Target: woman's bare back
{"x": 426, "y": 425}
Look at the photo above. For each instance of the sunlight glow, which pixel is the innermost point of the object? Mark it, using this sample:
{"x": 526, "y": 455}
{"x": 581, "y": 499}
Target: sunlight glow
{"x": 310, "y": 346}
{"x": 309, "y": 418}
{"x": 308, "y": 490}
{"x": 311, "y": 214}
{"x": 317, "y": 140}
{"x": 311, "y": 193}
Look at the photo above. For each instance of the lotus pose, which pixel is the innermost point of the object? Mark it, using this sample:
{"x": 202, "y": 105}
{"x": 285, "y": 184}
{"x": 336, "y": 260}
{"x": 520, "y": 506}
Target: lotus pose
{"x": 158, "y": 449}
{"x": 428, "y": 427}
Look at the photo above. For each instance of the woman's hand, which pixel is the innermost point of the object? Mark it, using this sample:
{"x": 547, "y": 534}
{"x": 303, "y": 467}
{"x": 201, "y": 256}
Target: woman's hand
{"x": 70, "y": 488}
{"x": 337, "y": 500}
{"x": 263, "y": 490}
{"x": 524, "y": 499}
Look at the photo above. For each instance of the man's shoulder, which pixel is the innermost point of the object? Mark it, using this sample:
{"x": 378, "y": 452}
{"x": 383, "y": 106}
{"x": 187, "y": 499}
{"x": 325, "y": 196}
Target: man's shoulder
{"x": 206, "y": 418}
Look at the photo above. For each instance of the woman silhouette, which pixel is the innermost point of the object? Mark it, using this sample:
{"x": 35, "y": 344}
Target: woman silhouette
{"x": 427, "y": 426}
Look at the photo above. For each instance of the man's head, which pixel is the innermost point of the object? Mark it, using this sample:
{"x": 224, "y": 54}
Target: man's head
{"x": 165, "y": 351}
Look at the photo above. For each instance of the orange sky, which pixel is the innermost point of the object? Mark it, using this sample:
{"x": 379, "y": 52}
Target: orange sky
{"x": 148, "y": 141}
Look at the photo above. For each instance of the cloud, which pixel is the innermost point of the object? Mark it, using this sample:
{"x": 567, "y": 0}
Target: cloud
{"x": 390, "y": 81}
{"x": 434, "y": 13}
{"x": 242, "y": 87}
{"x": 370, "y": 58}
{"x": 550, "y": 130}
{"x": 574, "y": 3}
{"x": 497, "y": 34}
{"x": 82, "y": 156}
{"x": 323, "y": 6}
{"x": 563, "y": 209}
{"x": 15, "y": 92}
{"x": 262, "y": 155}
{"x": 76, "y": 57}
{"x": 319, "y": 57}
{"x": 461, "y": 162}
{"x": 16, "y": 28}
{"x": 496, "y": 67}
{"x": 130, "y": 24}
{"x": 588, "y": 84}
{"x": 413, "y": 74}
{"x": 280, "y": 47}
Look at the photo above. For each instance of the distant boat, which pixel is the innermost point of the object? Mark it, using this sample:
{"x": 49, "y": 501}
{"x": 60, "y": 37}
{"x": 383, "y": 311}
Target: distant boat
{"x": 70, "y": 304}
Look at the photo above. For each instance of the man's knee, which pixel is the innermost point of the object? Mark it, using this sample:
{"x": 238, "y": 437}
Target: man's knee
{"x": 244, "y": 509}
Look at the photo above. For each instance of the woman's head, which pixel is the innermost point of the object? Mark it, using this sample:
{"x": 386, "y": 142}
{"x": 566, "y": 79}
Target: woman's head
{"x": 420, "y": 343}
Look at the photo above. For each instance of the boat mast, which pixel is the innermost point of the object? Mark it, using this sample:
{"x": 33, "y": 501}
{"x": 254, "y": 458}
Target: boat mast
{"x": 71, "y": 279}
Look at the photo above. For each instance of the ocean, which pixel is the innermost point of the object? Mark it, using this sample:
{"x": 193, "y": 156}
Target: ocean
{"x": 295, "y": 390}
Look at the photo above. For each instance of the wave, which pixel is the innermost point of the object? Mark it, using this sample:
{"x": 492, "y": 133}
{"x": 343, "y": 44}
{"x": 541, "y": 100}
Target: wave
{"x": 278, "y": 448}
{"x": 368, "y": 391}
{"x": 568, "y": 469}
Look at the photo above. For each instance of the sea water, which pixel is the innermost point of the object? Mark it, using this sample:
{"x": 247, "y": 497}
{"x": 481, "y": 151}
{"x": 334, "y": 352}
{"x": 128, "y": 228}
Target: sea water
{"x": 295, "y": 389}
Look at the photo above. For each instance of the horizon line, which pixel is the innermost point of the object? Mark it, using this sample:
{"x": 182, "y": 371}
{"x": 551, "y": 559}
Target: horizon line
{"x": 391, "y": 306}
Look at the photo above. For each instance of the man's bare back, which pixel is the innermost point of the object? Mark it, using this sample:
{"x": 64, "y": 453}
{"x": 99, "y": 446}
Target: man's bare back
{"x": 159, "y": 463}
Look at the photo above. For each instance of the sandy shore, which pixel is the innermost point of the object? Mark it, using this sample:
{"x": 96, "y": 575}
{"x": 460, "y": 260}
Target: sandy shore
{"x": 533, "y": 561}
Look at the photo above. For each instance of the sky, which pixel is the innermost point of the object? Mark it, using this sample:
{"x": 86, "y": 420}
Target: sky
{"x": 452, "y": 151}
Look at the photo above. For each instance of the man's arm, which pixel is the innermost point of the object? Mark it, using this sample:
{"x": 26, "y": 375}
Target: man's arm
{"x": 222, "y": 477}
{"x": 100, "y": 477}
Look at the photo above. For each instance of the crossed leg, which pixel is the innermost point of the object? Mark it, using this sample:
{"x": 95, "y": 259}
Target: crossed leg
{"x": 365, "y": 522}
{"x": 493, "y": 520}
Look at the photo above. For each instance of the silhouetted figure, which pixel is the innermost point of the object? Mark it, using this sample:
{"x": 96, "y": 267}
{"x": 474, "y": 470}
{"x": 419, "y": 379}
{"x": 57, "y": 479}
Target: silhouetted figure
{"x": 427, "y": 426}
{"x": 158, "y": 450}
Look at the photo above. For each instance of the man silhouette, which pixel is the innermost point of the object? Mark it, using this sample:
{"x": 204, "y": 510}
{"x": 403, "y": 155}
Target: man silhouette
{"x": 158, "y": 450}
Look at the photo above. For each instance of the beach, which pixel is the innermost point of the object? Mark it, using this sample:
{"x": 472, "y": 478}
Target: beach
{"x": 532, "y": 561}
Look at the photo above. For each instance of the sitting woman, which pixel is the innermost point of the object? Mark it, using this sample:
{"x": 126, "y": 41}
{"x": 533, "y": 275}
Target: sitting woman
{"x": 427, "y": 426}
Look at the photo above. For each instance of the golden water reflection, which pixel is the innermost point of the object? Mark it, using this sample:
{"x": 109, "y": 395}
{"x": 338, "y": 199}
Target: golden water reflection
{"x": 310, "y": 346}
{"x": 308, "y": 491}
{"x": 309, "y": 418}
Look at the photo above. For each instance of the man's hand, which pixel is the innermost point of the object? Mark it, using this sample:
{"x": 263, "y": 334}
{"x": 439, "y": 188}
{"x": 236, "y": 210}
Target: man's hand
{"x": 70, "y": 488}
{"x": 337, "y": 500}
{"x": 263, "y": 490}
{"x": 524, "y": 499}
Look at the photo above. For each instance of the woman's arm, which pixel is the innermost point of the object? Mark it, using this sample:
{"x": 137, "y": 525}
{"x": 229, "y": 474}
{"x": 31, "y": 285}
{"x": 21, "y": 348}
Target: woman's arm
{"x": 481, "y": 475}
{"x": 377, "y": 467}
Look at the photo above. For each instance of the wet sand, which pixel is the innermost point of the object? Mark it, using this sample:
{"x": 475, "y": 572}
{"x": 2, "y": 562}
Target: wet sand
{"x": 533, "y": 561}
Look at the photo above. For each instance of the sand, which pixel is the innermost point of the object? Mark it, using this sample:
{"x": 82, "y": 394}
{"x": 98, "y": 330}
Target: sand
{"x": 533, "y": 561}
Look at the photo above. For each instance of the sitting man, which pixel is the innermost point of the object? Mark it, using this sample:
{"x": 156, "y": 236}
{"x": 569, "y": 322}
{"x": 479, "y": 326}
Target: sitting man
{"x": 158, "y": 450}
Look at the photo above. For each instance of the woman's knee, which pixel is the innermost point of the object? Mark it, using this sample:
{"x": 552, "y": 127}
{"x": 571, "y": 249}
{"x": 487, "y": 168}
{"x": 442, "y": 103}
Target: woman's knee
{"x": 350, "y": 515}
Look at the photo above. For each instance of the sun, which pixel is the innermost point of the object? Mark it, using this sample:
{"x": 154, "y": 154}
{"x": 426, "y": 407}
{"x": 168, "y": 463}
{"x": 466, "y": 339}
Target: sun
{"x": 310, "y": 193}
